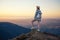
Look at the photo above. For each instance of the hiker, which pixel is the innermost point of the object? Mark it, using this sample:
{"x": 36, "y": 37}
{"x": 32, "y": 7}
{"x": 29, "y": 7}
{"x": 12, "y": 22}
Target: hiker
{"x": 37, "y": 18}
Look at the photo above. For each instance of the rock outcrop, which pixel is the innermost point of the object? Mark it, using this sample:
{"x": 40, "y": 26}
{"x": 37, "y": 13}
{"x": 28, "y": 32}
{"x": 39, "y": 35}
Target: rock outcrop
{"x": 35, "y": 35}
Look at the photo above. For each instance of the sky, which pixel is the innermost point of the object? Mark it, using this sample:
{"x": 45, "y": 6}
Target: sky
{"x": 24, "y": 9}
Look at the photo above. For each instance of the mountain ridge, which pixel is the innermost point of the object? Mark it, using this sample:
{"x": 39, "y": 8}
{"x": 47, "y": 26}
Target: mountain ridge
{"x": 9, "y": 30}
{"x": 36, "y": 35}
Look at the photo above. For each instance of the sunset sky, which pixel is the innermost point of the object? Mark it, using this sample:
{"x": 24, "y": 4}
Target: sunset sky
{"x": 26, "y": 8}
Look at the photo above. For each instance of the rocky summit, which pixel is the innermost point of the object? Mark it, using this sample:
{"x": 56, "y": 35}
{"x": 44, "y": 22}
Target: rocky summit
{"x": 35, "y": 35}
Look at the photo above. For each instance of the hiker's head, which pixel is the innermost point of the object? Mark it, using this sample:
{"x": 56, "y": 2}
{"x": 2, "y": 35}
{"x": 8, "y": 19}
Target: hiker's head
{"x": 38, "y": 7}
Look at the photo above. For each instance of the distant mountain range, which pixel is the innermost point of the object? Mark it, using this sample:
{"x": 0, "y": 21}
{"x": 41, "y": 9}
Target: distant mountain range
{"x": 55, "y": 31}
{"x": 10, "y": 30}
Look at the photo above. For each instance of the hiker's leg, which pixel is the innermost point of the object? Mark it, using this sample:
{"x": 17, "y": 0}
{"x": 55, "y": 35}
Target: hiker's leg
{"x": 33, "y": 24}
{"x": 38, "y": 25}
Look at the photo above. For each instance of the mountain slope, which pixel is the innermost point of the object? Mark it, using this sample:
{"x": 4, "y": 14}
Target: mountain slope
{"x": 10, "y": 30}
{"x": 35, "y": 35}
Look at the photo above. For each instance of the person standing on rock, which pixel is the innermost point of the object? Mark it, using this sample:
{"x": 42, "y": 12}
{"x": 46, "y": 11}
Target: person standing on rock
{"x": 37, "y": 18}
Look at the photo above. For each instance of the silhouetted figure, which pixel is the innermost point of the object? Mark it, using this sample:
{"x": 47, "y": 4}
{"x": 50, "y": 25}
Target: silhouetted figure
{"x": 37, "y": 17}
